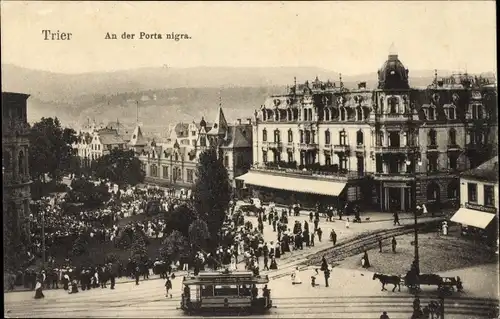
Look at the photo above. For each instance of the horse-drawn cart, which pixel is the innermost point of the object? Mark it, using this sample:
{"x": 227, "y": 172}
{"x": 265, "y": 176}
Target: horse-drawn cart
{"x": 444, "y": 285}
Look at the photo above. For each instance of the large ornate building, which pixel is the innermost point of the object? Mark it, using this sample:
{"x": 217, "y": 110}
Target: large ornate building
{"x": 15, "y": 168}
{"x": 175, "y": 163}
{"x": 388, "y": 147}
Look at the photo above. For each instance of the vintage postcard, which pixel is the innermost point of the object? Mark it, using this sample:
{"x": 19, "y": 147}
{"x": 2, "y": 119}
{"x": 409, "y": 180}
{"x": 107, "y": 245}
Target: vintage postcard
{"x": 275, "y": 159}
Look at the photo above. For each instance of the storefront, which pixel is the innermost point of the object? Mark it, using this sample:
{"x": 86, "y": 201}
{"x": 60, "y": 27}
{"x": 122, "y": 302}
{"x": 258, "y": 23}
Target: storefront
{"x": 287, "y": 190}
{"x": 476, "y": 221}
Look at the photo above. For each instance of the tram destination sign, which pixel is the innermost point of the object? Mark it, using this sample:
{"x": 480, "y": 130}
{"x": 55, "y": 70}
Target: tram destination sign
{"x": 481, "y": 208}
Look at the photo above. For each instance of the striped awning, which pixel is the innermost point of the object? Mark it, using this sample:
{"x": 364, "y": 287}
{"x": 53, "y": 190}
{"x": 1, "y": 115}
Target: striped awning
{"x": 472, "y": 218}
{"x": 294, "y": 184}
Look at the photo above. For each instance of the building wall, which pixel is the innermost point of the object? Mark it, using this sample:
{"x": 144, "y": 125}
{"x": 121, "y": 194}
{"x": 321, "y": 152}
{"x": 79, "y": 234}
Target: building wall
{"x": 480, "y": 191}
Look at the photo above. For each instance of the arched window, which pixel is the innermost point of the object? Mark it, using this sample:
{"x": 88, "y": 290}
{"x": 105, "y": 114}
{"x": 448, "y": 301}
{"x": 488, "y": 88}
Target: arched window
{"x": 359, "y": 113}
{"x": 453, "y": 190}
{"x": 305, "y": 115}
{"x": 264, "y": 135}
{"x": 359, "y": 138}
{"x": 393, "y": 105}
{"x": 327, "y": 137}
{"x": 277, "y": 136}
{"x": 452, "y": 137}
{"x": 21, "y": 162}
{"x": 327, "y": 114}
{"x": 432, "y": 113}
{"x": 432, "y": 137}
{"x": 433, "y": 192}
{"x": 310, "y": 115}
{"x": 343, "y": 114}
{"x": 6, "y": 160}
{"x": 290, "y": 136}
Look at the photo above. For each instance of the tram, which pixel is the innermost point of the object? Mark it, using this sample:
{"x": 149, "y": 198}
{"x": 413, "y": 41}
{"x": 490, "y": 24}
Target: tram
{"x": 225, "y": 291}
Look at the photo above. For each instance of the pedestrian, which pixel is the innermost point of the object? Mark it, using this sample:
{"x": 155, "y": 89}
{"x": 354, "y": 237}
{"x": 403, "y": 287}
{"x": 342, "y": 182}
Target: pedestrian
{"x": 347, "y": 223}
{"x": 295, "y": 277}
{"x": 334, "y": 237}
{"x": 365, "y": 261}
{"x": 168, "y": 286}
{"x": 137, "y": 275}
{"x": 384, "y": 315}
{"x": 320, "y": 233}
{"x": 396, "y": 219}
{"x": 393, "y": 244}
{"x": 39, "y": 290}
{"x": 326, "y": 272}
{"x": 380, "y": 245}
{"x": 313, "y": 281}
{"x": 310, "y": 216}
{"x": 266, "y": 260}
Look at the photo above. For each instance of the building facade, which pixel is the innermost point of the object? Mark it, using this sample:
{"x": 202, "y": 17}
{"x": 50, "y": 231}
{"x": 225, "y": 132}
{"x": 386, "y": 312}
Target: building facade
{"x": 479, "y": 199}
{"x": 92, "y": 145}
{"x": 15, "y": 166}
{"x": 390, "y": 147}
{"x": 175, "y": 162}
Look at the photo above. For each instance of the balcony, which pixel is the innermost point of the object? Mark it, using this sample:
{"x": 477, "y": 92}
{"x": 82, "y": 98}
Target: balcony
{"x": 394, "y": 177}
{"x": 395, "y": 149}
{"x": 341, "y": 148}
{"x": 454, "y": 148}
{"x": 271, "y": 145}
{"x": 318, "y": 173}
{"x": 307, "y": 146}
{"x": 432, "y": 148}
{"x": 399, "y": 117}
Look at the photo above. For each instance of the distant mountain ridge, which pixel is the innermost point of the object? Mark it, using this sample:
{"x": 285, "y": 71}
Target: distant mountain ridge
{"x": 182, "y": 93}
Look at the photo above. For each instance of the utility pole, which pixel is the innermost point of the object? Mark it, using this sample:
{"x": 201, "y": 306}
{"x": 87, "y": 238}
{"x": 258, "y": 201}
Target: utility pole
{"x": 137, "y": 111}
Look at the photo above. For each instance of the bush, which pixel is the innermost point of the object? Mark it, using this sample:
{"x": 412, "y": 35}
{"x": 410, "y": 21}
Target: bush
{"x": 80, "y": 245}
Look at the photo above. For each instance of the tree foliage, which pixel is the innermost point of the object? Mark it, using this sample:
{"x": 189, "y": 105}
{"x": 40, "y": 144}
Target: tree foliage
{"x": 198, "y": 234}
{"x": 120, "y": 167}
{"x": 50, "y": 149}
{"x": 80, "y": 245}
{"x": 138, "y": 250}
{"x": 86, "y": 192}
{"x": 211, "y": 192}
{"x": 179, "y": 219}
{"x": 175, "y": 246}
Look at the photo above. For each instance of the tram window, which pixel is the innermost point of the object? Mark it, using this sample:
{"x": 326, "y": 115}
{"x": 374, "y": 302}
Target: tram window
{"x": 207, "y": 291}
{"x": 229, "y": 290}
{"x": 245, "y": 291}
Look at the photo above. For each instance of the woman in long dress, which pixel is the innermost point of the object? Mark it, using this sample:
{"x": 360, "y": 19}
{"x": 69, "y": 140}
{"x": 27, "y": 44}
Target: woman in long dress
{"x": 38, "y": 290}
{"x": 295, "y": 277}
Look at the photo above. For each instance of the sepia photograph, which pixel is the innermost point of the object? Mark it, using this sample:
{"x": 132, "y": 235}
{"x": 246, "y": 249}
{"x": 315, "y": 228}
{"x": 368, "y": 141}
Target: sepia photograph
{"x": 260, "y": 159}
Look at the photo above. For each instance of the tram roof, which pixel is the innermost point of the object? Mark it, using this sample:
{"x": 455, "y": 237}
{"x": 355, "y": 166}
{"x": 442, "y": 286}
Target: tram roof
{"x": 235, "y": 277}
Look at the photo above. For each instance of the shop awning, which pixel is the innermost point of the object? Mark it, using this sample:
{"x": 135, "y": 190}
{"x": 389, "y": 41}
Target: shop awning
{"x": 472, "y": 218}
{"x": 293, "y": 184}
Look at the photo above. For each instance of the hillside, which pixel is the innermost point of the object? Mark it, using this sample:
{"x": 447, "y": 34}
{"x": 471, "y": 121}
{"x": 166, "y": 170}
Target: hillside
{"x": 166, "y": 95}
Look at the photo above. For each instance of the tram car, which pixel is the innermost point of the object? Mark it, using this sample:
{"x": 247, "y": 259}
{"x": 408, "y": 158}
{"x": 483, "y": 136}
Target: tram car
{"x": 226, "y": 290}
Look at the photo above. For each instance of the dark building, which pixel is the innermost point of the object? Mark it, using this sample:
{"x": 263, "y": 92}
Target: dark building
{"x": 15, "y": 168}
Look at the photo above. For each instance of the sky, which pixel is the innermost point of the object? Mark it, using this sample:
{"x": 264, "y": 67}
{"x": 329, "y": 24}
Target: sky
{"x": 347, "y": 37}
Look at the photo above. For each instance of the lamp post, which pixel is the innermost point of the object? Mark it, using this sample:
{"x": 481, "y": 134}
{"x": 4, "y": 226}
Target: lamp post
{"x": 43, "y": 231}
{"x": 417, "y": 163}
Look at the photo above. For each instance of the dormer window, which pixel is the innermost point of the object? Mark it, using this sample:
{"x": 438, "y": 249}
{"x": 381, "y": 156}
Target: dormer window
{"x": 393, "y": 105}
{"x": 359, "y": 113}
{"x": 432, "y": 113}
{"x": 343, "y": 114}
{"x": 451, "y": 112}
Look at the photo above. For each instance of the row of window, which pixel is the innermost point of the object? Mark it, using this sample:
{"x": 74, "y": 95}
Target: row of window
{"x": 341, "y": 114}
{"x": 176, "y": 173}
{"x": 21, "y": 162}
{"x": 488, "y": 194}
{"x": 308, "y": 137}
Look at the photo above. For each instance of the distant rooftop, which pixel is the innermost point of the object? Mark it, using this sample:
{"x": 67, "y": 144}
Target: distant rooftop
{"x": 487, "y": 171}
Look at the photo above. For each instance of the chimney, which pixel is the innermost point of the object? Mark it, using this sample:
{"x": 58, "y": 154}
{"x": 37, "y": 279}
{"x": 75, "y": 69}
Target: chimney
{"x": 238, "y": 121}
{"x": 362, "y": 85}
{"x": 249, "y": 121}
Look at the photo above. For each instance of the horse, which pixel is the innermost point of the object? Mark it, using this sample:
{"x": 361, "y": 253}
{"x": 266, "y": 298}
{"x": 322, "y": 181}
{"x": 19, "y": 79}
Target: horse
{"x": 386, "y": 279}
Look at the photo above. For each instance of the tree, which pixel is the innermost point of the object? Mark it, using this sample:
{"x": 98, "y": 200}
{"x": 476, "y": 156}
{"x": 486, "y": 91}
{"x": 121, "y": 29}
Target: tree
{"x": 84, "y": 191}
{"x": 80, "y": 245}
{"x": 198, "y": 234}
{"x": 179, "y": 219}
{"x": 50, "y": 149}
{"x": 211, "y": 192}
{"x": 120, "y": 167}
{"x": 174, "y": 247}
{"x": 138, "y": 250}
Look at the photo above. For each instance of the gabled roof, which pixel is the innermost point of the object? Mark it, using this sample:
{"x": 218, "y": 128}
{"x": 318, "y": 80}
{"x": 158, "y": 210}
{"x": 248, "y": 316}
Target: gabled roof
{"x": 137, "y": 137}
{"x": 239, "y": 136}
{"x": 220, "y": 125}
{"x": 110, "y": 139}
{"x": 487, "y": 171}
